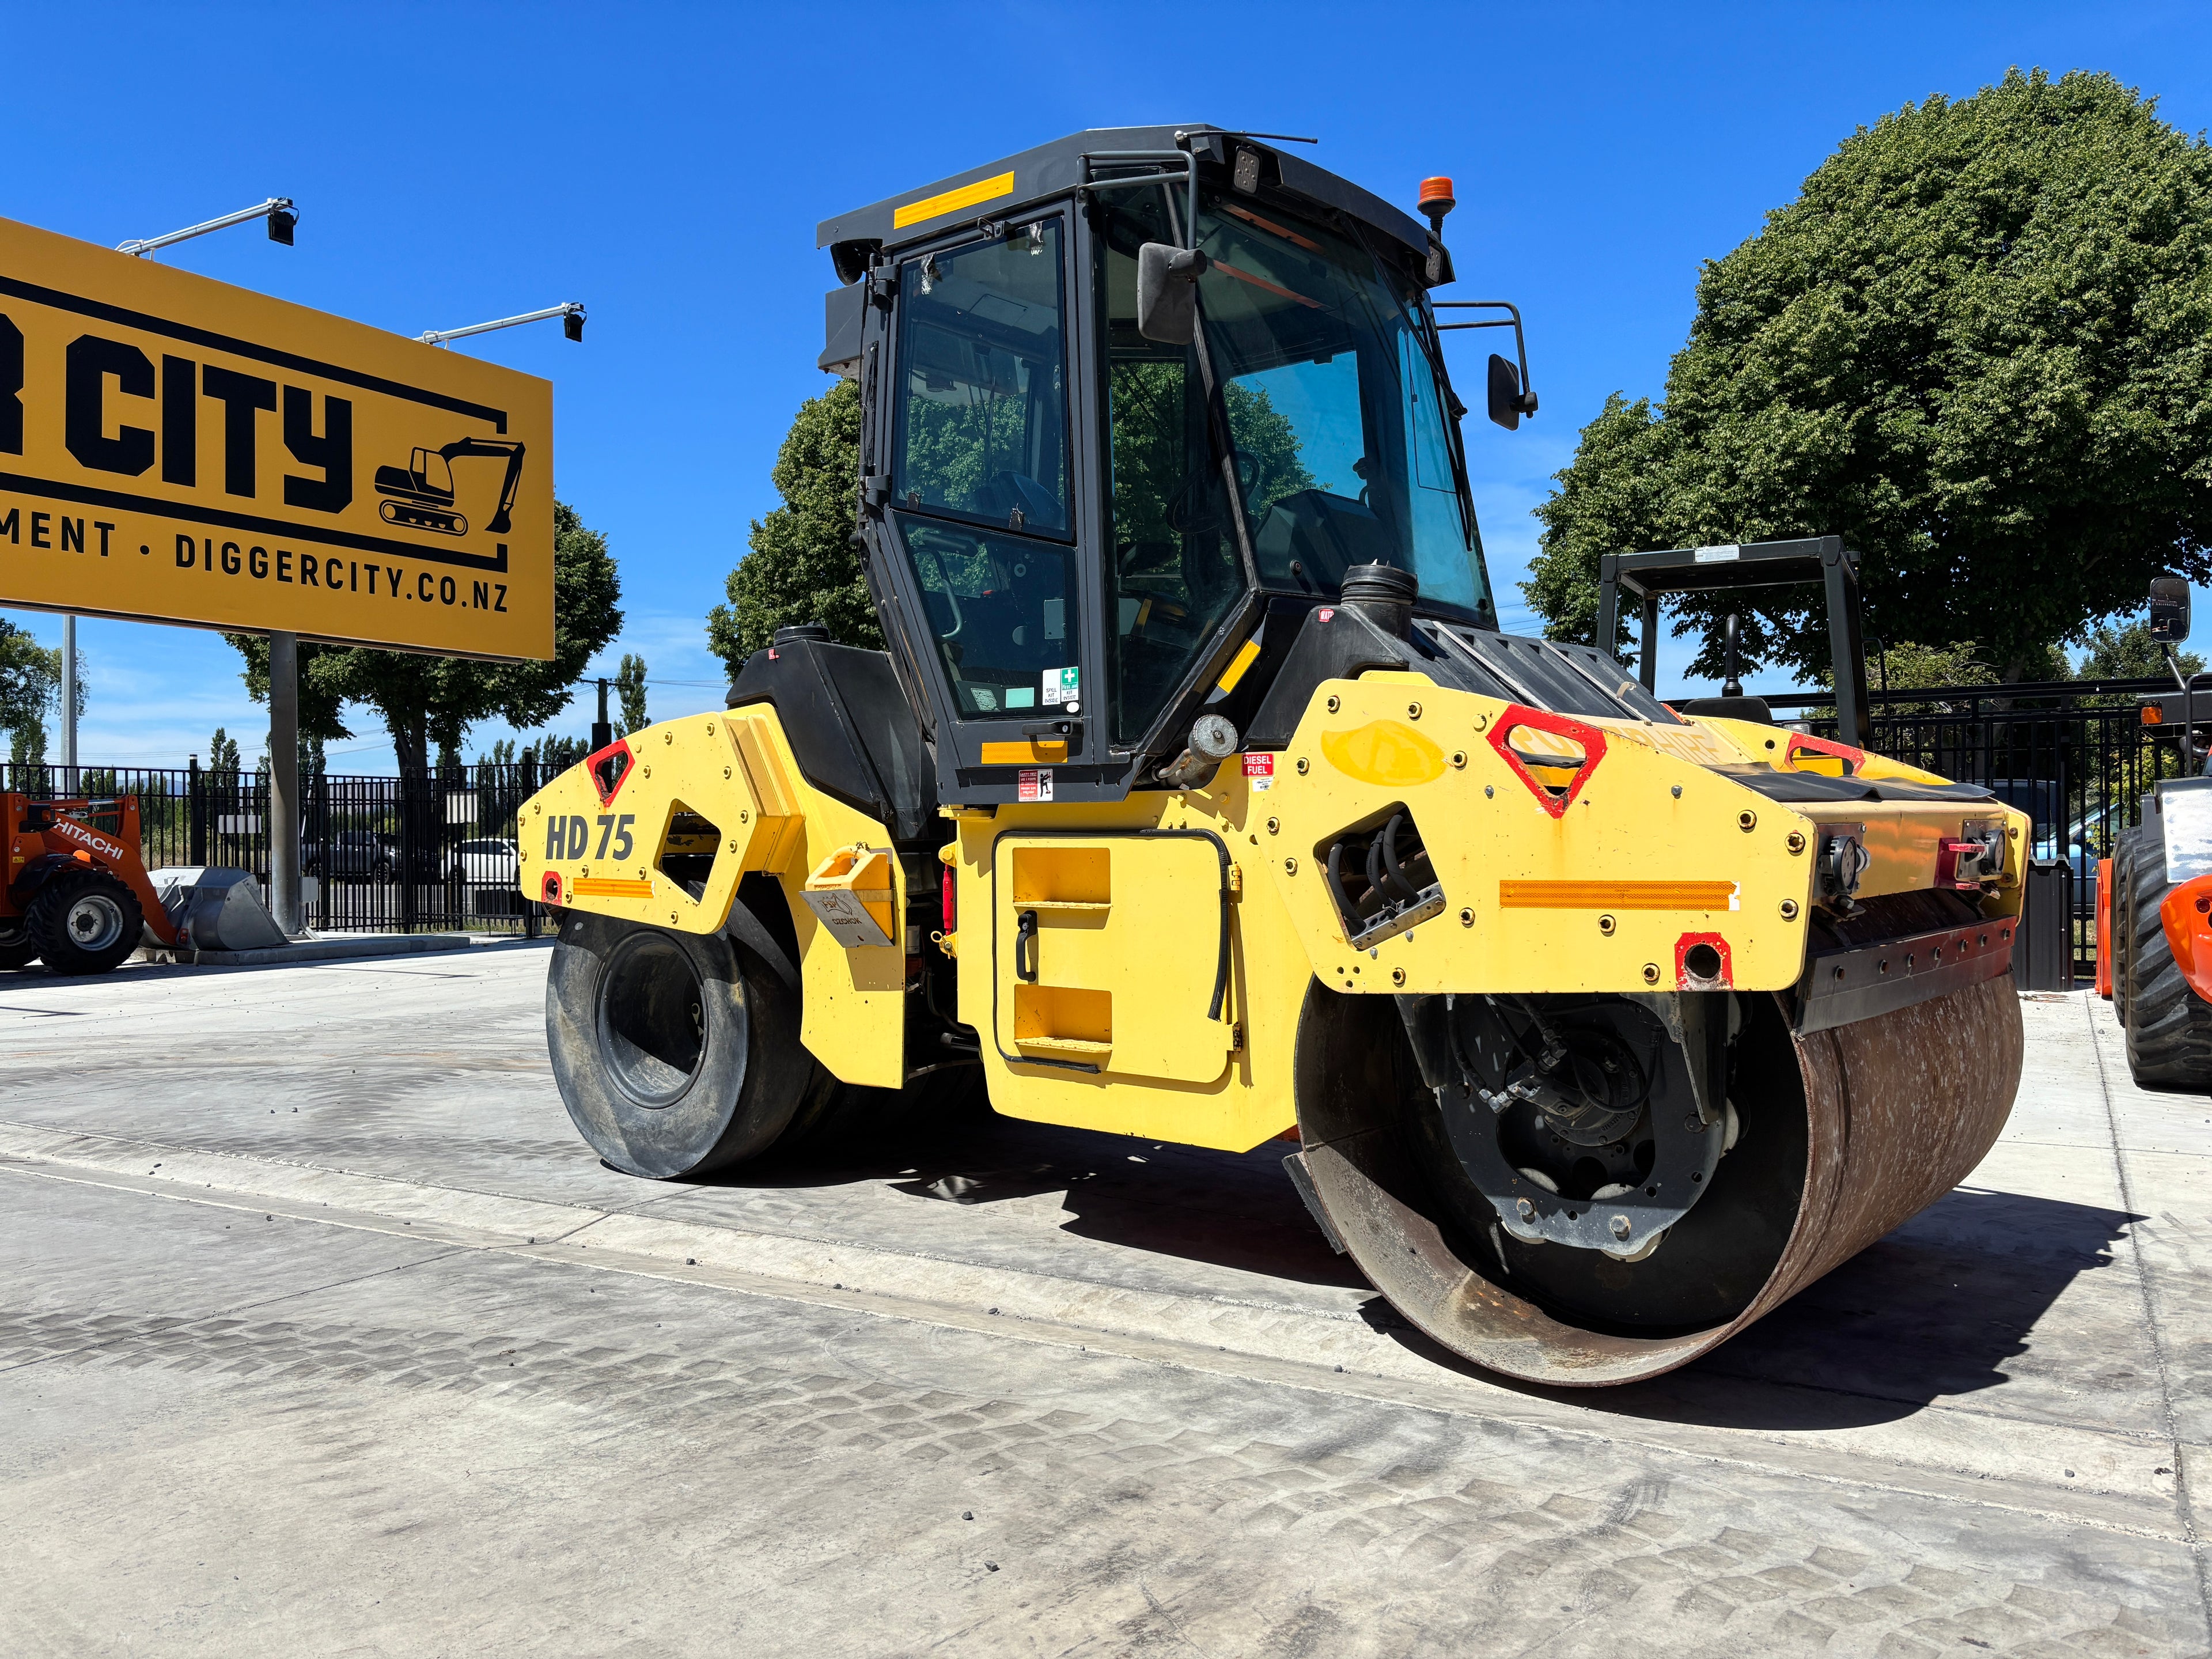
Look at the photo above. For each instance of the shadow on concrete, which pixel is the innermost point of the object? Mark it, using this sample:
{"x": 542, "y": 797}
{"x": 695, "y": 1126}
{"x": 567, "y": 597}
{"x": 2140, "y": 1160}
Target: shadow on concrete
{"x": 1935, "y": 1310}
{"x": 1226, "y": 1209}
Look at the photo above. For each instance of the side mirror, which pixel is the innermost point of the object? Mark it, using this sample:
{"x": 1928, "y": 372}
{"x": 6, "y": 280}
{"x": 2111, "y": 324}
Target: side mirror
{"x": 1167, "y": 292}
{"x": 1504, "y": 393}
{"x": 2169, "y": 609}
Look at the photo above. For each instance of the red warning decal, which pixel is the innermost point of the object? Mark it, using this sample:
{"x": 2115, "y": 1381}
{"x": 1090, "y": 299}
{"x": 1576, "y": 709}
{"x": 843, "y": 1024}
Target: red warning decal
{"x": 1591, "y": 741}
{"x": 610, "y": 769}
{"x": 1853, "y": 759}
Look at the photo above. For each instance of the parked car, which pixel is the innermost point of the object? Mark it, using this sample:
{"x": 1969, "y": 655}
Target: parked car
{"x": 489, "y": 860}
{"x": 347, "y": 853}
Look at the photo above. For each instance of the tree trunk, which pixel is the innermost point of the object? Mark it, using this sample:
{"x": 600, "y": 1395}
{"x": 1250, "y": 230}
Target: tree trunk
{"x": 410, "y": 745}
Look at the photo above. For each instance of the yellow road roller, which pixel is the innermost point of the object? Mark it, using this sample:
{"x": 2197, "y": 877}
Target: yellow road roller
{"x": 1199, "y": 796}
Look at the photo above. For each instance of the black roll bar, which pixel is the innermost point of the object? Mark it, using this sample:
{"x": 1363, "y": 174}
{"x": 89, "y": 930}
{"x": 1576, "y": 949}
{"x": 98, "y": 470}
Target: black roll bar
{"x": 1823, "y": 559}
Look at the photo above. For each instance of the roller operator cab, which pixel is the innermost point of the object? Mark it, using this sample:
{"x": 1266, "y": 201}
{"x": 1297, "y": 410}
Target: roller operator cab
{"x": 1198, "y": 796}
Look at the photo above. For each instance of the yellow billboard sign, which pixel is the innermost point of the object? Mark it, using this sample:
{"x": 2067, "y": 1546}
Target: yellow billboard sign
{"x": 174, "y": 449}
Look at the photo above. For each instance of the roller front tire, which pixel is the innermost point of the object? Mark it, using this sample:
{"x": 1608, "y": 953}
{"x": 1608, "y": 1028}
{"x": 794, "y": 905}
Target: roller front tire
{"x": 676, "y": 1054}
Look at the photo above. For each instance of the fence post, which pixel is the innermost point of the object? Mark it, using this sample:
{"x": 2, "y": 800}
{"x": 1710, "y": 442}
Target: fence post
{"x": 196, "y": 813}
{"x": 411, "y": 788}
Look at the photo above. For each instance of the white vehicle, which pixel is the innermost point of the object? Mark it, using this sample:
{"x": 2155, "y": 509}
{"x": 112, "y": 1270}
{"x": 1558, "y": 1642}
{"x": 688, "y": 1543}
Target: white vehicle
{"x": 489, "y": 862}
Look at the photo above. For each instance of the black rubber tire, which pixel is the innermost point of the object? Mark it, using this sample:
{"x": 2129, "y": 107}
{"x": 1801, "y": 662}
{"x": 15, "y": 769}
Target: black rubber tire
{"x": 18, "y": 950}
{"x": 676, "y": 1055}
{"x": 83, "y": 922}
{"x": 2169, "y": 1026}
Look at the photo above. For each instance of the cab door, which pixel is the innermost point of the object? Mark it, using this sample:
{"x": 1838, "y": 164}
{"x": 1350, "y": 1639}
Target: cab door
{"x": 1104, "y": 962}
{"x": 984, "y": 503}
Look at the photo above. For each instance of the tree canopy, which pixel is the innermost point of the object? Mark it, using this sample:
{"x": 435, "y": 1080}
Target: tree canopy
{"x": 1978, "y": 346}
{"x": 802, "y": 567}
{"x": 428, "y": 699}
{"x": 30, "y": 692}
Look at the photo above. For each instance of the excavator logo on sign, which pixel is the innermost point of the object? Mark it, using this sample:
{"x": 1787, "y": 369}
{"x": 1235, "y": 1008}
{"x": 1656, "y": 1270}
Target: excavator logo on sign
{"x": 422, "y": 496}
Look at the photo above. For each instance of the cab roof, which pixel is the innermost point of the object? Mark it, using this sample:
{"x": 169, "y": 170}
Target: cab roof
{"x": 1007, "y": 185}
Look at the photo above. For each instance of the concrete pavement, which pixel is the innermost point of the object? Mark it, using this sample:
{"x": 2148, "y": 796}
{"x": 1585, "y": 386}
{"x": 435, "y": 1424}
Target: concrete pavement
{"x": 320, "y": 1331}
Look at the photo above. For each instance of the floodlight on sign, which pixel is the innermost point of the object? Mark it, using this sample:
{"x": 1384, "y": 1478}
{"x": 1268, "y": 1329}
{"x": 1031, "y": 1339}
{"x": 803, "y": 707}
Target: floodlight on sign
{"x": 278, "y": 210}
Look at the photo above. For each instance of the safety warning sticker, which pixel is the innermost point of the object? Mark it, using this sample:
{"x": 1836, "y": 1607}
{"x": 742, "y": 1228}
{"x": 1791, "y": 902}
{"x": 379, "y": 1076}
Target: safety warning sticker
{"x": 1059, "y": 686}
{"x": 1259, "y": 771}
{"x": 1036, "y": 785}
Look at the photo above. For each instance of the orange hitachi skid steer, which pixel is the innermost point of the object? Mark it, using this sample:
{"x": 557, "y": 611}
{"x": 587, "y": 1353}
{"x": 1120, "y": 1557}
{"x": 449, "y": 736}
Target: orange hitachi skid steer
{"x": 77, "y": 897}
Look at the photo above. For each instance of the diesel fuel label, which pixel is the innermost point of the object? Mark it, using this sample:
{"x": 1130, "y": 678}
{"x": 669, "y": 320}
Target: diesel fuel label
{"x": 174, "y": 449}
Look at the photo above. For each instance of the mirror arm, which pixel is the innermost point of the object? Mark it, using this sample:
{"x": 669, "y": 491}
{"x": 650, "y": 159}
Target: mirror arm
{"x": 1186, "y": 162}
{"x": 1512, "y": 321}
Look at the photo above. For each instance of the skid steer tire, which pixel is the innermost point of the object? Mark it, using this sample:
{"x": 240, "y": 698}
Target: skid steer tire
{"x": 676, "y": 1054}
{"x": 2169, "y": 1026}
{"x": 83, "y": 922}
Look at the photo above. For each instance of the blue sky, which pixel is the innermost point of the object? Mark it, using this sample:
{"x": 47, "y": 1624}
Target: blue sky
{"x": 667, "y": 165}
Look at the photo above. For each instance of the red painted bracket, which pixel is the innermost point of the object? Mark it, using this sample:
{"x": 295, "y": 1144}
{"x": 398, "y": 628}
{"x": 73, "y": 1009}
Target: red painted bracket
{"x": 1684, "y": 980}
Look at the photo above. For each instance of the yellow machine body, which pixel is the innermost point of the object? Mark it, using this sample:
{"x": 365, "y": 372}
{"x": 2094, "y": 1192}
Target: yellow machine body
{"x": 1139, "y": 967}
{"x": 629, "y": 833}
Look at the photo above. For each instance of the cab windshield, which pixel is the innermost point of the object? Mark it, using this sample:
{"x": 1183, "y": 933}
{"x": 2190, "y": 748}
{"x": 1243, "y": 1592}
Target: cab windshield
{"x": 1344, "y": 451}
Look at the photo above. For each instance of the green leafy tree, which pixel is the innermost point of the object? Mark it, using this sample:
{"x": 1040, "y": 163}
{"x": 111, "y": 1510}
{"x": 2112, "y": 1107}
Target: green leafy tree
{"x": 1978, "y": 346}
{"x": 425, "y": 700}
{"x": 222, "y": 754}
{"x": 30, "y": 690}
{"x": 27, "y": 740}
{"x": 30, "y": 677}
{"x": 552, "y": 755}
{"x": 629, "y": 686}
{"x": 2127, "y": 652}
{"x": 802, "y": 567}
{"x": 1264, "y": 434}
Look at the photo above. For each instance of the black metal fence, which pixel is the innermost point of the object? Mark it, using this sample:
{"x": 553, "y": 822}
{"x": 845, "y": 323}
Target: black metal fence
{"x": 437, "y": 852}
{"x": 430, "y": 853}
{"x": 2075, "y": 756}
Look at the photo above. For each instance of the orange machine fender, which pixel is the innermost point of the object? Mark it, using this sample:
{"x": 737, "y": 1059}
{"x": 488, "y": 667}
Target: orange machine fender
{"x": 2105, "y": 928}
{"x": 2185, "y": 914}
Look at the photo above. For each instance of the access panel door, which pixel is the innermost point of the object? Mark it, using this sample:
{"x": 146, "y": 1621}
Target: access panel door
{"x": 1112, "y": 953}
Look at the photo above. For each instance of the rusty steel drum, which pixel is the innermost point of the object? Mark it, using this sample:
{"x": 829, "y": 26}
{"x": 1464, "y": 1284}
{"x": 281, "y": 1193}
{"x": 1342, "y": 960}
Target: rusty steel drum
{"x": 1856, "y": 1130}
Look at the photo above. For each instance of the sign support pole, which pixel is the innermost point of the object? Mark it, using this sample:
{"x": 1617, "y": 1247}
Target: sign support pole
{"x": 69, "y": 705}
{"x": 285, "y": 781}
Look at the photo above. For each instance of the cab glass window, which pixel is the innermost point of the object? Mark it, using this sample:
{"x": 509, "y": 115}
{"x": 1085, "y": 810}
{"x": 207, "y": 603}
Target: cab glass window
{"x": 1173, "y": 569}
{"x": 983, "y": 398}
{"x": 1347, "y": 447}
{"x": 1002, "y": 612}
